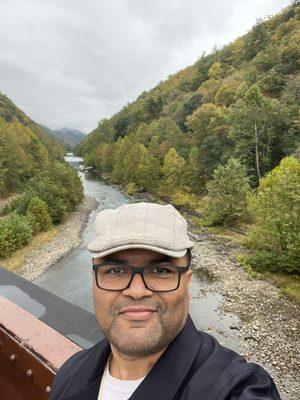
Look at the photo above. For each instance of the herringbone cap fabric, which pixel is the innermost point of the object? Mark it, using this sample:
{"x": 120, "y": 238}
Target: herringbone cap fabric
{"x": 151, "y": 226}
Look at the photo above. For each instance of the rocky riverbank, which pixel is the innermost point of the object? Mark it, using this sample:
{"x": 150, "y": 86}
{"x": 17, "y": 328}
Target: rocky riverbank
{"x": 269, "y": 327}
{"x": 68, "y": 238}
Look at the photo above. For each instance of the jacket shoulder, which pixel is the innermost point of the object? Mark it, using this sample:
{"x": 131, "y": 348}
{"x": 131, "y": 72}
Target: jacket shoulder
{"x": 75, "y": 367}
{"x": 228, "y": 375}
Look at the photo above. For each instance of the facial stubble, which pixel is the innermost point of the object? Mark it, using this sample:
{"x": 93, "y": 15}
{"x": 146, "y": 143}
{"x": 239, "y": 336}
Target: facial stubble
{"x": 140, "y": 340}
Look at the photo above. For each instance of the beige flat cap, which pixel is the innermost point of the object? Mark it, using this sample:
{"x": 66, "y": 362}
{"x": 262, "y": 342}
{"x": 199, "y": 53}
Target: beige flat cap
{"x": 151, "y": 226}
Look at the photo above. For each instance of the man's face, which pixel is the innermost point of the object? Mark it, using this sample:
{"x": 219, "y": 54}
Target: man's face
{"x": 136, "y": 320}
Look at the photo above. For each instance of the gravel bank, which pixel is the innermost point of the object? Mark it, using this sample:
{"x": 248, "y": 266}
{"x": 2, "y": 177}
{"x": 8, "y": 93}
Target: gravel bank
{"x": 269, "y": 327}
{"x": 68, "y": 238}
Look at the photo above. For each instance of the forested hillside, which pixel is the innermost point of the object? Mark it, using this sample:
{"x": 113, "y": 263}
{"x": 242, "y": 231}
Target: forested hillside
{"x": 25, "y": 148}
{"x": 221, "y": 137}
{"x": 240, "y": 101}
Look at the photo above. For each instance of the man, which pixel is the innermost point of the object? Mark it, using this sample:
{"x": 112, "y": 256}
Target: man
{"x": 152, "y": 350}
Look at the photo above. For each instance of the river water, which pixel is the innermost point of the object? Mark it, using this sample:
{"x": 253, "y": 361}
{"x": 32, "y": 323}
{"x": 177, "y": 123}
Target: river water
{"x": 71, "y": 277}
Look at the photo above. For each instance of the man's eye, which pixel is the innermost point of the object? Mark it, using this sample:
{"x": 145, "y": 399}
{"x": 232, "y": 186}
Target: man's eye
{"x": 115, "y": 271}
{"x": 162, "y": 270}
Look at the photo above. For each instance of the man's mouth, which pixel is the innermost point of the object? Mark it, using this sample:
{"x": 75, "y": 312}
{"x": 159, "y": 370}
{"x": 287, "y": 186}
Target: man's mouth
{"x": 137, "y": 313}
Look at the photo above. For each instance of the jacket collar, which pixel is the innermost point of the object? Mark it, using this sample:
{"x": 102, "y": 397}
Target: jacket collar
{"x": 164, "y": 379}
{"x": 169, "y": 372}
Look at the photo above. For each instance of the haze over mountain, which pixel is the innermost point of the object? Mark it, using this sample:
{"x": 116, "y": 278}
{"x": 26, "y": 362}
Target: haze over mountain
{"x": 68, "y": 137}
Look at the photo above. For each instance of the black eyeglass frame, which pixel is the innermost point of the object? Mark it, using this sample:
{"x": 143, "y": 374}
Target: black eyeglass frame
{"x": 140, "y": 271}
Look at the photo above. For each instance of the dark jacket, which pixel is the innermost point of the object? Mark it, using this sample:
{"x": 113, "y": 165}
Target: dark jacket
{"x": 194, "y": 367}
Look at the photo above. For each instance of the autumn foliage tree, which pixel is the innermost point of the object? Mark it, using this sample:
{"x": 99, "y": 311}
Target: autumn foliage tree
{"x": 275, "y": 236}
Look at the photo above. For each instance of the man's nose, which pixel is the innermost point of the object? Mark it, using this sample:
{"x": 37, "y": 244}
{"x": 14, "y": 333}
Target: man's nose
{"x": 137, "y": 288}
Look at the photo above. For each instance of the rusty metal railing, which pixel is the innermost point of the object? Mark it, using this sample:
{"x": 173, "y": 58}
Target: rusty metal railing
{"x": 30, "y": 354}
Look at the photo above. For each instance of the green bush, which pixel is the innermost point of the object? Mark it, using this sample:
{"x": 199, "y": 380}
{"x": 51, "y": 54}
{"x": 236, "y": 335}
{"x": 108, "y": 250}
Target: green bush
{"x": 15, "y": 232}
{"x": 18, "y": 204}
{"x": 59, "y": 187}
{"x": 53, "y": 194}
{"x": 226, "y": 203}
{"x": 131, "y": 188}
{"x": 70, "y": 183}
{"x": 38, "y": 214}
{"x": 275, "y": 236}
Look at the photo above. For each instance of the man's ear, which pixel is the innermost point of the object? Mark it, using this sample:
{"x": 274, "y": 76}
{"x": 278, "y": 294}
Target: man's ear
{"x": 189, "y": 275}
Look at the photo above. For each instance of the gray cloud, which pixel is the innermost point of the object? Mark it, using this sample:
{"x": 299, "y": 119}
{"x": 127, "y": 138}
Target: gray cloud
{"x": 72, "y": 63}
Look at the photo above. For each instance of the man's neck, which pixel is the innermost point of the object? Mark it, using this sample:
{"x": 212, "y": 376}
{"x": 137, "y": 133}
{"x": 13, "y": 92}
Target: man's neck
{"x": 126, "y": 367}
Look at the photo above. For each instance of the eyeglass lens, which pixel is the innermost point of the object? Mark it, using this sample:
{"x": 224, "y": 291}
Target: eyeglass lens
{"x": 159, "y": 277}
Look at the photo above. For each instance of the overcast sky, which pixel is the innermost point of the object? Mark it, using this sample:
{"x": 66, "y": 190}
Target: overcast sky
{"x": 73, "y": 62}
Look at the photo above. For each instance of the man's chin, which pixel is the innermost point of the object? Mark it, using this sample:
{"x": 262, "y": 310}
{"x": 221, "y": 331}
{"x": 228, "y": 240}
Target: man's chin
{"x": 136, "y": 338}
{"x": 137, "y": 346}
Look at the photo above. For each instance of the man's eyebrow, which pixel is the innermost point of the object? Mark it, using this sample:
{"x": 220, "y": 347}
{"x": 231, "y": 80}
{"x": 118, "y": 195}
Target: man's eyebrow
{"x": 115, "y": 259}
{"x": 152, "y": 261}
{"x": 160, "y": 259}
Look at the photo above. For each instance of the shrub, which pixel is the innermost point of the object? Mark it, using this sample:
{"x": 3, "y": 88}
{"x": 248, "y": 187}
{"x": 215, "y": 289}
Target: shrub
{"x": 275, "y": 236}
{"x": 183, "y": 198}
{"x": 131, "y": 188}
{"x": 70, "y": 183}
{"x": 15, "y": 232}
{"x": 226, "y": 203}
{"x": 18, "y": 204}
{"x": 38, "y": 214}
{"x": 53, "y": 194}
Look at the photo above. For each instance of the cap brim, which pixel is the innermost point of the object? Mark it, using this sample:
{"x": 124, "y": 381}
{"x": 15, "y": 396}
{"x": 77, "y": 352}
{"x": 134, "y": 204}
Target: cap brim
{"x": 171, "y": 253}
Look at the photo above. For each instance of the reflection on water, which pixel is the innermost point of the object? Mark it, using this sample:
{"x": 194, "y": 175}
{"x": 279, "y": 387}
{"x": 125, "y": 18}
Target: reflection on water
{"x": 71, "y": 278}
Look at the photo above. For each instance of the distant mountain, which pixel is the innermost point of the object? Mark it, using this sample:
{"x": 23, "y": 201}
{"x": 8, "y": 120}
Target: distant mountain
{"x": 25, "y": 147}
{"x": 69, "y": 137}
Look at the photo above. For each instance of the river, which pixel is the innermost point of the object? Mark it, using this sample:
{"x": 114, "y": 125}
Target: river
{"x": 71, "y": 277}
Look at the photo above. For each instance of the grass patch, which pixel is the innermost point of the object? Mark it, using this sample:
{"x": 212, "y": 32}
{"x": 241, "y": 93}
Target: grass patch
{"x": 289, "y": 285}
{"x": 17, "y": 259}
{"x": 226, "y": 233}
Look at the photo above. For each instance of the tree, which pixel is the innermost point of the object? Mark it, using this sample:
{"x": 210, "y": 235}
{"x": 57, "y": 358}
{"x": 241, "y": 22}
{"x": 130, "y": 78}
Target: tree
{"x": 215, "y": 71}
{"x": 209, "y": 128}
{"x": 148, "y": 174}
{"x": 254, "y": 123}
{"x": 226, "y": 202}
{"x": 132, "y": 161}
{"x": 193, "y": 171}
{"x": 174, "y": 170}
{"x": 121, "y": 149}
{"x": 256, "y": 40}
{"x": 275, "y": 236}
{"x": 185, "y": 108}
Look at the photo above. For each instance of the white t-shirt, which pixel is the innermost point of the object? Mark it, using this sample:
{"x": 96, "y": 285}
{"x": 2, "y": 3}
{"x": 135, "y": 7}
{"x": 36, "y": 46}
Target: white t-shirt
{"x": 116, "y": 389}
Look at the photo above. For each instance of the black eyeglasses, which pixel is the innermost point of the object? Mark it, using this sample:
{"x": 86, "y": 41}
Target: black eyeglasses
{"x": 114, "y": 276}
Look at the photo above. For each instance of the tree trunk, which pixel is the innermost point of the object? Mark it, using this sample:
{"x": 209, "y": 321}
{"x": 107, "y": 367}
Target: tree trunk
{"x": 256, "y": 151}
